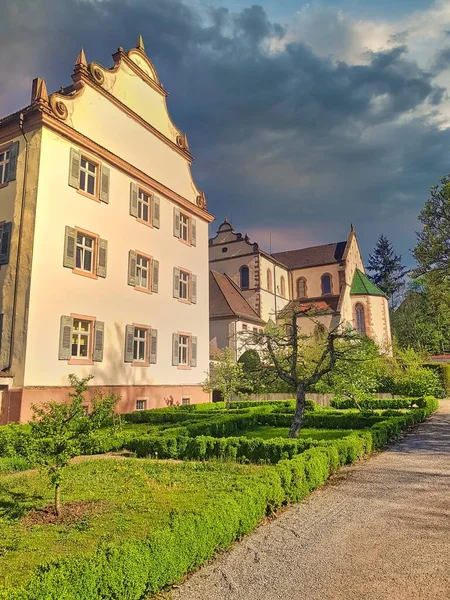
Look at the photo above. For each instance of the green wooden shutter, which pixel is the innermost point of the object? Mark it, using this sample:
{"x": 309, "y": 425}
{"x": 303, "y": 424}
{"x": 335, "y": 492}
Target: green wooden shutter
{"x": 155, "y": 275}
{"x": 193, "y": 231}
{"x": 5, "y": 244}
{"x": 176, "y": 282}
{"x": 194, "y": 289}
{"x": 133, "y": 199}
{"x": 175, "y": 345}
{"x": 193, "y": 351}
{"x": 69, "y": 247}
{"x": 104, "y": 184}
{"x": 12, "y": 166}
{"x": 153, "y": 346}
{"x": 156, "y": 207}
{"x": 102, "y": 257}
{"x": 65, "y": 338}
{"x": 129, "y": 343}
{"x": 132, "y": 258}
{"x": 99, "y": 336}
{"x": 74, "y": 169}
{"x": 176, "y": 222}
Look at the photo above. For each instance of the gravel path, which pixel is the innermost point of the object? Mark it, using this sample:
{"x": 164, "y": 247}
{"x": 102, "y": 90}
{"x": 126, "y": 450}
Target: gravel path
{"x": 379, "y": 530}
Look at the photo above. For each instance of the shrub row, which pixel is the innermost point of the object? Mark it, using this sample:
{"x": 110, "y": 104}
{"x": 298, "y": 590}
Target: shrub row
{"x": 381, "y": 403}
{"x": 134, "y": 569}
{"x": 241, "y": 449}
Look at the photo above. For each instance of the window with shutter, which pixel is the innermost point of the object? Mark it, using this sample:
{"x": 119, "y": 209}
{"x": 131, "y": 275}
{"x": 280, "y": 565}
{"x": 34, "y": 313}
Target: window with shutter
{"x": 193, "y": 351}
{"x": 5, "y": 242}
{"x": 129, "y": 340}
{"x": 5, "y": 164}
{"x": 13, "y": 154}
{"x": 156, "y": 211}
{"x": 104, "y": 184}
{"x": 65, "y": 338}
{"x": 102, "y": 257}
{"x": 183, "y": 290}
{"x": 153, "y": 346}
{"x": 155, "y": 276}
{"x": 176, "y": 282}
{"x": 74, "y": 168}
{"x": 194, "y": 289}
{"x": 183, "y": 350}
{"x": 176, "y": 222}
{"x": 82, "y": 343}
{"x": 69, "y": 247}
{"x": 175, "y": 349}
{"x": 89, "y": 177}
{"x": 133, "y": 199}
{"x": 132, "y": 259}
{"x": 99, "y": 334}
{"x": 193, "y": 239}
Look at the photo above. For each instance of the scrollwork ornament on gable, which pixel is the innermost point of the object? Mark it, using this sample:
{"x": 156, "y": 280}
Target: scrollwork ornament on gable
{"x": 182, "y": 141}
{"x": 96, "y": 73}
{"x": 59, "y": 108}
{"x": 201, "y": 200}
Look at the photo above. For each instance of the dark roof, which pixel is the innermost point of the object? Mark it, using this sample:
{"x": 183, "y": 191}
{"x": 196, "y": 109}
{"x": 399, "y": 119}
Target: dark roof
{"x": 362, "y": 286}
{"x": 226, "y": 299}
{"x": 323, "y": 305}
{"x": 312, "y": 257}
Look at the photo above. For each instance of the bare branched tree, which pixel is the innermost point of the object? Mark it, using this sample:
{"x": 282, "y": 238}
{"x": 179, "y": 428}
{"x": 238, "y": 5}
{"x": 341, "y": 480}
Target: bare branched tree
{"x": 302, "y": 360}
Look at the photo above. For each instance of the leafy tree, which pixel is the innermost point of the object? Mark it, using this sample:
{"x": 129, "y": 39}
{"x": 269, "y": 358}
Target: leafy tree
{"x": 300, "y": 360}
{"x": 388, "y": 271}
{"x": 358, "y": 378}
{"x": 58, "y": 430}
{"x": 432, "y": 251}
{"x": 406, "y": 375}
{"x": 226, "y": 376}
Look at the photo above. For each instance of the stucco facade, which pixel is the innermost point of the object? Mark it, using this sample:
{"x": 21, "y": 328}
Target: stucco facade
{"x": 331, "y": 278}
{"x": 120, "y": 256}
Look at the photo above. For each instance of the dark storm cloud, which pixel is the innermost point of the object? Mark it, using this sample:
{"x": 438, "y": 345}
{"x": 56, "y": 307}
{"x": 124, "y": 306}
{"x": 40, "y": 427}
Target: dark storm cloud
{"x": 282, "y": 139}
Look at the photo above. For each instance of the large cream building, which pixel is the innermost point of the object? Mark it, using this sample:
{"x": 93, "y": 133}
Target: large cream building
{"x": 330, "y": 278}
{"x": 104, "y": 244}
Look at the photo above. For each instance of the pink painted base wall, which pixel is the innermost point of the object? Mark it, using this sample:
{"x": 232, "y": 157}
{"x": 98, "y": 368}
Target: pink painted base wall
{"x": 16, "y": 405}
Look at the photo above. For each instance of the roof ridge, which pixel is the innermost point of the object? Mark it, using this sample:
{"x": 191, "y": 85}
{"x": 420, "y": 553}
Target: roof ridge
{"x": 310, "y": 247}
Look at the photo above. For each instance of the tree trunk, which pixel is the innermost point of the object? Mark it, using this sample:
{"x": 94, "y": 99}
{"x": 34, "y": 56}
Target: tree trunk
{"x": 299, "y": 410}
{"x": 57, "y": 500}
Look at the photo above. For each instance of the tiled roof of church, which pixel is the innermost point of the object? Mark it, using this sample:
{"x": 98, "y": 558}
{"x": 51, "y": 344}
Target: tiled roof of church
{"x": 226, "y": 299}
{"x": 361, "y": 285}
{"x": 312, "y": 257}
{"x": 323, "y": 305}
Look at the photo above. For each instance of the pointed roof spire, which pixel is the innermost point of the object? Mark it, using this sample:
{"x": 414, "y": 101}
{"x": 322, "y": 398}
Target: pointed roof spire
{"x": 81, "y": 59}
{"x": 225, "y": 220}
{"x": 351, "y": 227}
{"x": 140, "y": 43}
{"x": 39, "y": 91}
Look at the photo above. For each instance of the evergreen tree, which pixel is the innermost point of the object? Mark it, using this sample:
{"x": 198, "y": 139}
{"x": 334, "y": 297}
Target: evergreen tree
{"x": 388, "y": 271}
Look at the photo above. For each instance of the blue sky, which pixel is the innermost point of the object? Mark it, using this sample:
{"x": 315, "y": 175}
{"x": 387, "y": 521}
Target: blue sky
{"x": 302, "y": 117}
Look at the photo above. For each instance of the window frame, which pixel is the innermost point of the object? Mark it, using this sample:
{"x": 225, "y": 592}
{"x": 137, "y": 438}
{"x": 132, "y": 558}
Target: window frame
{"x": 241, "y": 270}
{"x": 357, "y": 309}
{"x": 305, "y": 281}
{"x": 186, "y": 401}
{"x": 146, "y": 361}
{"x": 187, "y": 365}
{"x": 322, "y": 277}
{"x": 5, "y": 149}
{"x": 74, "y": 360}
{"x": 188, "y": 228}
{"x": 93, "y": 161}
{"x": 269, "y": 278}
{"x": 283, "y": 286}
{"x": 91, "y": 274}
{"x": 150, "y": 195}
{"x": 144, "y": 400}
{"x": 139, "y": 288}
{"x": 186, "y": 300}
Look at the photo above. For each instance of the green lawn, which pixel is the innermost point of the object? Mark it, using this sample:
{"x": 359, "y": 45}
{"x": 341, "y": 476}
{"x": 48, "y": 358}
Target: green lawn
{"x": 267, "y": 432}
{"x": 128, "y": 499}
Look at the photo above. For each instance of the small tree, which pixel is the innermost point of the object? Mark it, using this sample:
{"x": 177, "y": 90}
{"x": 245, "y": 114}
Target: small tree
{"x": 358, "y": 377}
{"x": 58, "y": 431}
{"x": 303, "y": 360}
{"x": 226, "y": 376}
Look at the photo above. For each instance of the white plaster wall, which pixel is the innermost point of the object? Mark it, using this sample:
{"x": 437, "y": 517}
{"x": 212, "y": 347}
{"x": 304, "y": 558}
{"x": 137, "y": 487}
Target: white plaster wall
{"x": 56, "y": 291}
{"x": 100, "y": 120}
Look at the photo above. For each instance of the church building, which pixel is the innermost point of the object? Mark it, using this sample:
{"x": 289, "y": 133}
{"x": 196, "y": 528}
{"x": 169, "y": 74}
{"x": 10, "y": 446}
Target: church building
{"x": 249, "y": 286}
{"x": 103, "y": 244}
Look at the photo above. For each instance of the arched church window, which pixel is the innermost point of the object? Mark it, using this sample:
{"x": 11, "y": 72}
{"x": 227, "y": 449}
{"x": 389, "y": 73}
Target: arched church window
{"x": 301, "y": 288}
{"x": 326, "y": 284}
{"x": 269, "y": 280}
{"x": 360, "y": 318}
{"x": 245, "y": 278}
{"x": 282, "y": 287}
